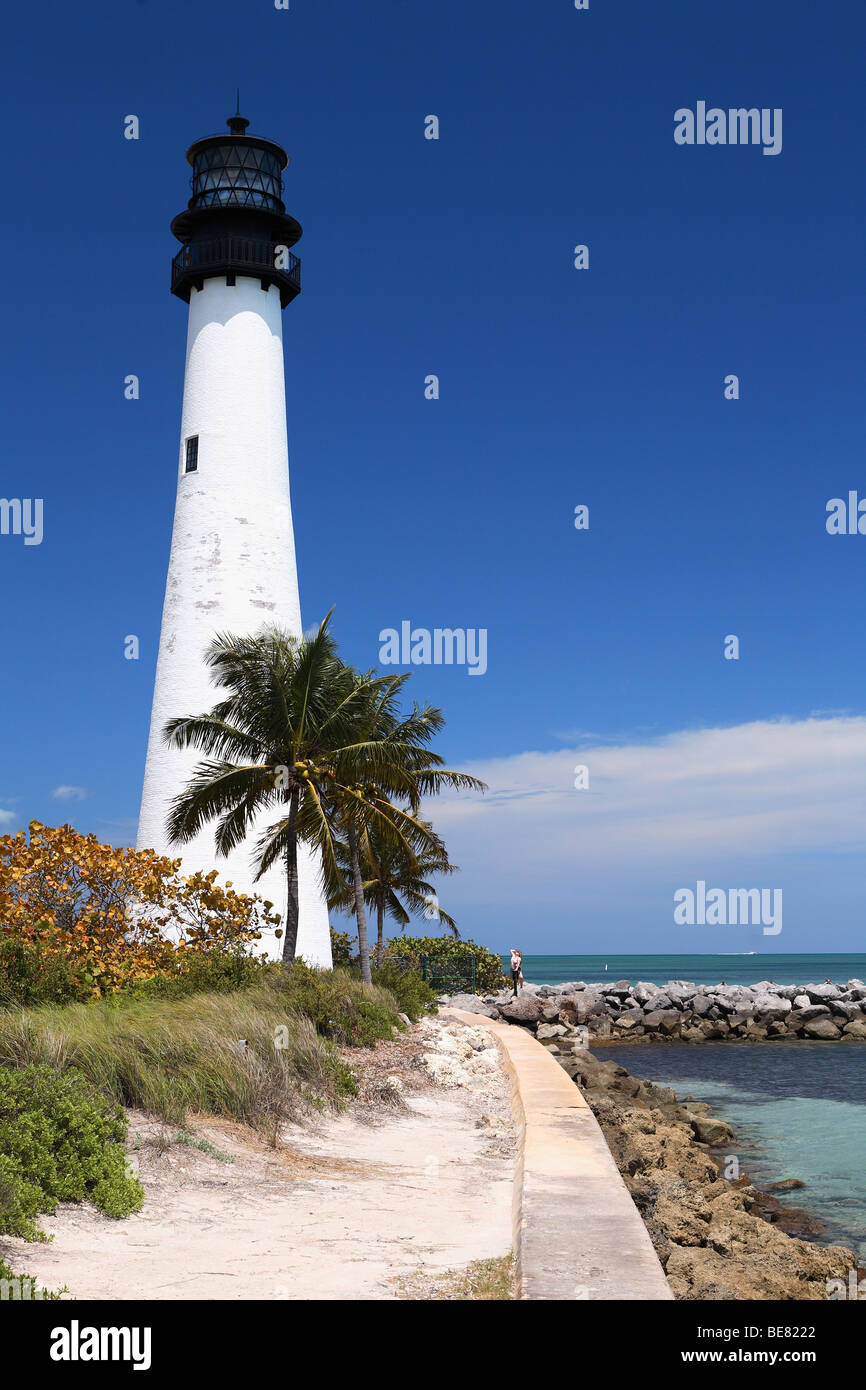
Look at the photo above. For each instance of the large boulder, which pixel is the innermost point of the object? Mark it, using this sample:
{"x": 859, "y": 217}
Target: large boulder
{"x": 524, "y": 1010}
{"x": 822, "y": 1028}
{"x": 805, "y": 1015}
{"x": 701, "y": 1004}
{"x": 679, "y": 993}
{"x": 660, "y": 1000}
{"x": 665, "y": 1021}
{"x": 770, "y": 1006}
{"x": 709, "y": 1130}
{"x": 619, "y": 988}
{"x": 628, "y": 1020}
{"x": 856, "y": 1030}
{"x": 728, "y": 999}
{"x": 643, "y": 991}
{"x": 822, "y": 994}
{"x": 844, "y": 1010}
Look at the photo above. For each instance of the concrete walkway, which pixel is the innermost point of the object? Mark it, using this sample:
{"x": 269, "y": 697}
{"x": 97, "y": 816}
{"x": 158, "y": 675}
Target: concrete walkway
{"x": 577, "y": 1232}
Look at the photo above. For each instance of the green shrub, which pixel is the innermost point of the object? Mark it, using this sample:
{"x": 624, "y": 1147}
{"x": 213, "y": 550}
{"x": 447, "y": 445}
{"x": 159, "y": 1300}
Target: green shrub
{"x": 23, "y": 1286}
{"x": 171, "y": 1057}
{"x": 214, "y": 973}
{"x": 29, "y": 974}
{"x": 343, "y": 952}
{"x": 411, "y": 991}
{"x": 339, "y": 1004}
{"x": 445, "y": 952}
{"x": 59, "y": 1142}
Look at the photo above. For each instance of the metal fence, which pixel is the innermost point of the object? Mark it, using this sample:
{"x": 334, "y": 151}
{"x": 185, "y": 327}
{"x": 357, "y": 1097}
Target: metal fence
{"x": 449, "y": 974}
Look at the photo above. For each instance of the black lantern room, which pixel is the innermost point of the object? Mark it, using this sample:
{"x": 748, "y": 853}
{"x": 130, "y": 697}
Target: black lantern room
{"x": 235, "y": 222}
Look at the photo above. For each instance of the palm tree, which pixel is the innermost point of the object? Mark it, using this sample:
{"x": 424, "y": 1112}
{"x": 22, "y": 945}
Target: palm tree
{"x": 270, "y": 743}
{"x": 395, "y": 884}
{"x": 381, "y": 780}
{"x": 303, "y": 733}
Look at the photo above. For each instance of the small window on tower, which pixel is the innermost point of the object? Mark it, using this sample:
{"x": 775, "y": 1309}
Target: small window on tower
{"x": 191, "y": 454}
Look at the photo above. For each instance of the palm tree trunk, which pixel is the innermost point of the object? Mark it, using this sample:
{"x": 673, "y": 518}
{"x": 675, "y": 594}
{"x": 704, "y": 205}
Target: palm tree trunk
{"x": 290, "y": 937}
{"x": 380, "y": 939}
{"x": 360, "y": 909}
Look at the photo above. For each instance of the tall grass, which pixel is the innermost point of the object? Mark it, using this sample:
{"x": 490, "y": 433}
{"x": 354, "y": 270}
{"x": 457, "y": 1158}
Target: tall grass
{"x": 170, "y": 1057}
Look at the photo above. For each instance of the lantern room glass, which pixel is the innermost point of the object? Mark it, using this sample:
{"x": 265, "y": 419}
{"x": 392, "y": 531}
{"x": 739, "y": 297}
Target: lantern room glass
{"x": 237, "y": 175}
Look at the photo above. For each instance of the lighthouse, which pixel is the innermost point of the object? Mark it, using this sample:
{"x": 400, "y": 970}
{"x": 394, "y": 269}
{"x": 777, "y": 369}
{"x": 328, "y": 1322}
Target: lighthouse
{"x": 232, "y": 565}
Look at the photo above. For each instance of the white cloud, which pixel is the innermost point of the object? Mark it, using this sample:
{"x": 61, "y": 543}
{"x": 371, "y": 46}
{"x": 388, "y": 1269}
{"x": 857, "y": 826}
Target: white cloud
{"x": 755, "y": 799}
{"x": 65, "y": 793}
{"x": 6, "y": 817}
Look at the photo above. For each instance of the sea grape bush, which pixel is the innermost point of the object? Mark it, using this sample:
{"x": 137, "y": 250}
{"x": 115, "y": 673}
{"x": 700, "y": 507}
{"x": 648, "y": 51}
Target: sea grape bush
{"x": 92, "y": 917}
{"x": 410, "y": 949}
{"x": 60, "y": 1141}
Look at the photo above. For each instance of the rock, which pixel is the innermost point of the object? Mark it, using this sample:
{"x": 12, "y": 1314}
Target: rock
{"x": 728, "y": 1000}
{"x": 713, "y": 1028}
{"x": 658, "y": 1002}
{"x": 701, "y": 1005}
{"x": 628, "y": 1021}
{"x": 770, "y": 1006}
{"x": 662, "y": 1021}
{"x": 405, "y": 1020}
{"x": 821, "y": 1028}
{"x": 822, "y": 994}
{"x": 692, "y": 1033}
{"x": 473, "y": 1005}
{"x": 739, "y": 1019}
{"x": 456, "y": 1045}
{"x": 550, "y": 1030}
{"x": 755, "y": 1029}
{"x": 644, "y": 991}
{"x": 840, "y": 1009}
{"x": 812, "y": 1011}
{"x": 856, "y": 1030}
{"x": 620, "y": 988}
{"x": 785, "y": 1185}
{"x": 801, "y": 1001}
{"x": 524, "y": 1010}
{"x": 679, "y": 994}
{"x": 709, "y": 1130}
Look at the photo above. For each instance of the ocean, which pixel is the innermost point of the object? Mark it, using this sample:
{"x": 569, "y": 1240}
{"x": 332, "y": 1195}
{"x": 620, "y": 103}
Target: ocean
{"x": 741, "y": 968}
{"x": 799, "y": 1108}
{"x": 799, "y": 1111}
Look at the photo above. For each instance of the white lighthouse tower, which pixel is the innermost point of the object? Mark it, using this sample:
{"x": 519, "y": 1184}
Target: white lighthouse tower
{"x": 232, "y": 565}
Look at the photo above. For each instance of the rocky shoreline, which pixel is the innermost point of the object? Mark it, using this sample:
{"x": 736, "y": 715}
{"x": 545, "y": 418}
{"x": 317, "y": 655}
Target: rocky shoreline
{"x": 716, "y": 1237}
{"x": 682, "y": 1010}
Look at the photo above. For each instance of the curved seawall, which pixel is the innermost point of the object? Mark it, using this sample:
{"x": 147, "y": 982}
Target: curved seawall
{"x": 577, "y": 1233}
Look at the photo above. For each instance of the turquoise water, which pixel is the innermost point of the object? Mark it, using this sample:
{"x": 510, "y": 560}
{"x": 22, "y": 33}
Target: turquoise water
{"x": 738, "y": 969}
{"x": 799, "y": 1110}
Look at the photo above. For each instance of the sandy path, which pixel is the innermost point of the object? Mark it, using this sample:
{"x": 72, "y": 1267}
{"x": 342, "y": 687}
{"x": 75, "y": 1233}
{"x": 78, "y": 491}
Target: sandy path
{"x": 341, "y": 1212}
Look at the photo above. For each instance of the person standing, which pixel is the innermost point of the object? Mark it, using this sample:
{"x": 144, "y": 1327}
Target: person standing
{"x": 516, "y": 970}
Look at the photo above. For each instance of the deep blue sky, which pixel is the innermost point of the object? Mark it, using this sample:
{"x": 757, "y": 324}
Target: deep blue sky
{"x": 557, "y": 386}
